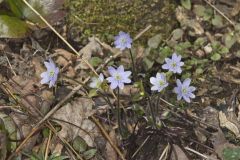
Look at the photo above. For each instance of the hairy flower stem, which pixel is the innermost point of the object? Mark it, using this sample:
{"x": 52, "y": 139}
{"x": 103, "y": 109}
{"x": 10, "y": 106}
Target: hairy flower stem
{"x": 152, "y": 113}
{"x": 119, "y": 111}
{"x": 133, "y": 65}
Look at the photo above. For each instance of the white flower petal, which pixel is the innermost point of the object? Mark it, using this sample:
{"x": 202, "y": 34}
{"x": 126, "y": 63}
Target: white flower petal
{"x": 120, "y": 69}
{"x": 121, "y": 85}
{"x": 187, "y": 82}
{"x": 179, "y": 83}
{"x": 153, "y": 80}
{"x": 187, "y": 99}
{"x": 111, "y": 70}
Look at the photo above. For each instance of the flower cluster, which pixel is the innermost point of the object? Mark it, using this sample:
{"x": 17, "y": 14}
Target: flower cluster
{"x": 118, "y": 77}
{"x": 183, "y": 90}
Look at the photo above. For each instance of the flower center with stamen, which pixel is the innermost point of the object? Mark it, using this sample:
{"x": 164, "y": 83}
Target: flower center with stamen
{"x": 161, "y": 83}
{"x": 51, "y": 73}
{"x": 118, "y": 77}
{"x": 184, "y": 90}
{"x": 123, "y": 40}
{"x": 174, "y": 64}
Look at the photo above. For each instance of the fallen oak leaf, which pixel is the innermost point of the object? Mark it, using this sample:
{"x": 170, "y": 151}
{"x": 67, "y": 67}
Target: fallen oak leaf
{"x": 77, "y": 112}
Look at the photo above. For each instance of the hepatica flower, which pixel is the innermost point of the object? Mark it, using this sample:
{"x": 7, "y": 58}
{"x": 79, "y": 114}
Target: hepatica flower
{"x": 123, "y": 40}
{"x": 118, "y": 77}
{"x": 159, "y": 82}
{"x": 174, "y": 64}
{"x": 184, "y": 90}
{"x": 97, "y": 81}
{"x": 50, "y": 76}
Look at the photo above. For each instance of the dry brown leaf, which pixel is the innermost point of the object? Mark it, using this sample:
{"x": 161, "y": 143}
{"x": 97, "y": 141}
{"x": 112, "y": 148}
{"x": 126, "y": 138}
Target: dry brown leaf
{"x": 77, "y": 112}
{"x": 178, "y": 154}
{"x": 224, "y": 122}
{"x": 110, "y": 152}
{"x": 67, "y": 55}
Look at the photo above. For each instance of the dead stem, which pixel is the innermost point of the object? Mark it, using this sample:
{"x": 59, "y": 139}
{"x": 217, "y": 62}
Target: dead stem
{"x": 107, "y": 137}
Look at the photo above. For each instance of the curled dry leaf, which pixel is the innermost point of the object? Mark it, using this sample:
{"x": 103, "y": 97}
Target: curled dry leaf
{"x": 224, "y": 122}
{"x": 77, "y": 112}
{"x": 92, "y": 48}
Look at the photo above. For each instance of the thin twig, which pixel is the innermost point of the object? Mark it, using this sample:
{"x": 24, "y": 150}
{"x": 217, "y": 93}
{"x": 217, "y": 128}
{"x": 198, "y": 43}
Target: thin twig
{"x": 200, "y": 154}
{"x": 142, "y": 32}
{"x": 221, "y": 13}
{"x": 140, "y": 147}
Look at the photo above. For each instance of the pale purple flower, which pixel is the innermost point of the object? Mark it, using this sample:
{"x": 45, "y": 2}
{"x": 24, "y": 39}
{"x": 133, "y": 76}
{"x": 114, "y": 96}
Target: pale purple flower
{"x": 173, "y": 64}
{"x": 50, "y": 76}
{"x": 123, "y": 40}
{"x": 97, "y": 81}
{"x": 118, "y": 77}
{"x": 159, "y": 82}
{"x": 184, "y": 90}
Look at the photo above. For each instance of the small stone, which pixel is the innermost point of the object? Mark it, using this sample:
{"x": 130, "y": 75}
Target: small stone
{"x": 200, "y": 53}
{"x": 208, "y": 49}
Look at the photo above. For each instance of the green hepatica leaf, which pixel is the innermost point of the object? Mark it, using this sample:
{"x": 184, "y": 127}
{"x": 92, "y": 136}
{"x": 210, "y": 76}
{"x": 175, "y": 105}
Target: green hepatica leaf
{"x": 199, "y": 10}
{"x": 216, "y": 57}
{"x": 15, "y": 6}
{"x": 177, "y": 34}
{"x": 49, "y": 9}
{"x": 217, "y": 21}
{"x": 79, "y": 144}
{"x": 186, "y": 4}
{"x": 229, "y": 40}
{"x": 231, "y": 153}
{"x": 12, "y": 27}
{"x": 89, "y": 153}
{"x": 155, "y": 41}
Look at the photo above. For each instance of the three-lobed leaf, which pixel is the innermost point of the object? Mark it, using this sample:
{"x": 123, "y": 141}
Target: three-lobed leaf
{"x": 12, "y": 27}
